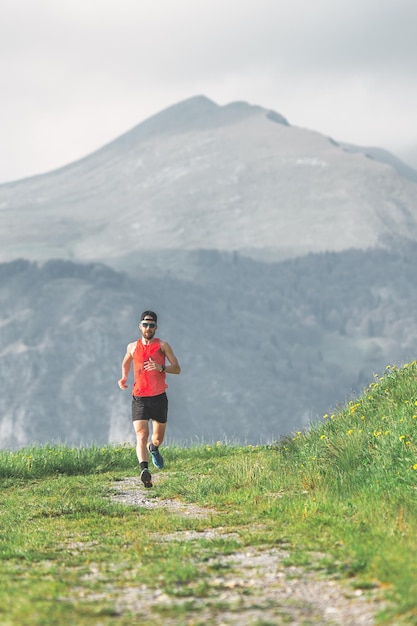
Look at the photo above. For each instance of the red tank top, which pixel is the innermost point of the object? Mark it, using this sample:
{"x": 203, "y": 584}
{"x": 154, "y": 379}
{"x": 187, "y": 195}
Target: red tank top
{"x": 148, "y": 383}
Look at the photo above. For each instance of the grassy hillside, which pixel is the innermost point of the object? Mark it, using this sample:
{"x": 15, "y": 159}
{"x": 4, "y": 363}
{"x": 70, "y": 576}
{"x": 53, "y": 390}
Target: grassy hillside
{"x": 341, "y": 499}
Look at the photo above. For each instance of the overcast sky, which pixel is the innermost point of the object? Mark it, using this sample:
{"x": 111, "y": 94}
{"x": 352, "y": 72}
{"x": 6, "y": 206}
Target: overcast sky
{"x": 75, "y": 74}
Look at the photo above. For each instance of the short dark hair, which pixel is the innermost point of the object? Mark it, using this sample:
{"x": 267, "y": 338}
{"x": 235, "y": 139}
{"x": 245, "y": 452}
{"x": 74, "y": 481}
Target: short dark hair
{"x": 149, "y": 314}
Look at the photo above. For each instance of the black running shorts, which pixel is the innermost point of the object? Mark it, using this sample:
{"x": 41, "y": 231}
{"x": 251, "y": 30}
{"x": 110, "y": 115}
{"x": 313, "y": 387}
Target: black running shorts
{"x": 150, "y": 408}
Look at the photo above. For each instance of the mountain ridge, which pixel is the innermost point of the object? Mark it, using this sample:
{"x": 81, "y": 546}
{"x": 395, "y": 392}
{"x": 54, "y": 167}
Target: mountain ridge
{"x": 202, "y": 176}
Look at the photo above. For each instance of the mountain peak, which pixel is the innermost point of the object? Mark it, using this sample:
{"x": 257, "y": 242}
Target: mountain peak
{"x": 197, "y": 112}
{"x": 199, "y": 175}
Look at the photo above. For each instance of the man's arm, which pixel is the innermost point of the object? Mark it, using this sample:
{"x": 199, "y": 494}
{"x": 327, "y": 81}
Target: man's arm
{"x": 174, "y": 366}
{"x": 128, "y": 358}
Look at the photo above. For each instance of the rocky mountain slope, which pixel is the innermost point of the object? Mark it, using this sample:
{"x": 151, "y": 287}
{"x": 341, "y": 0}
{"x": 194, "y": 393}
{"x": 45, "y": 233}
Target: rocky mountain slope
{"x": 203, "y": 176}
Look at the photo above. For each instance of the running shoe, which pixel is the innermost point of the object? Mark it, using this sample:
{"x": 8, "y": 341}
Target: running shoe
{"x": 146, "y": 478}
{"x": 157, "y": 458}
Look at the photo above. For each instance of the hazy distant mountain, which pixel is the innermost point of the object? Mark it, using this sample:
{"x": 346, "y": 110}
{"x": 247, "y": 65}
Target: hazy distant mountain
{"x": 281, "y": 263}
{"x": 203, "y": 176}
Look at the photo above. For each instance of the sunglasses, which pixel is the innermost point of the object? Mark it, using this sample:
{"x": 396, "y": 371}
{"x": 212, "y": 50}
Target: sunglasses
{"x": 148, "y": 324}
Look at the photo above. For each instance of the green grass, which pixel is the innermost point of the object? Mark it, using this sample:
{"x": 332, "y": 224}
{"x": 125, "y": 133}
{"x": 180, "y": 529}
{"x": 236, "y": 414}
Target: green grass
{"x": 346, "y": 490}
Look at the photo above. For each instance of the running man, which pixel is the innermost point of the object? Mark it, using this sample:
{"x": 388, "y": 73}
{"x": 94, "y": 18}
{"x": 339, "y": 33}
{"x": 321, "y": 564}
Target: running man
{"x": 149, "y": 399}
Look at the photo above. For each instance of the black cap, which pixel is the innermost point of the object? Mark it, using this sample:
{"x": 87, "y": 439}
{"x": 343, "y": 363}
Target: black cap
{"x": 150, "y": 314}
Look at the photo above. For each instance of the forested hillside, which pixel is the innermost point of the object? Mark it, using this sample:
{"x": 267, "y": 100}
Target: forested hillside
{"x": 264, "y": 348}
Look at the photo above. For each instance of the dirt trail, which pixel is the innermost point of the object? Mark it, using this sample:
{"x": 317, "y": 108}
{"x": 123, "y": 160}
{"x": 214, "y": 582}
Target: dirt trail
{"x": 255, "y": 588}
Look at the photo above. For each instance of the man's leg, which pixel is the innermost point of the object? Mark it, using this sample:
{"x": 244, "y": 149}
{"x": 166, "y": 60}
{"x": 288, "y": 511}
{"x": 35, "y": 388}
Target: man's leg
{"x": 158, "y": 432}
{"x": 142, "y": 434}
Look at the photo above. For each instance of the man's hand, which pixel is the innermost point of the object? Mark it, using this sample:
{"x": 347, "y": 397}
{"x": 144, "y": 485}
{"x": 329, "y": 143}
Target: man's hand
{"x": 122, "y": 383}
{"x": 151, "y": 365}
